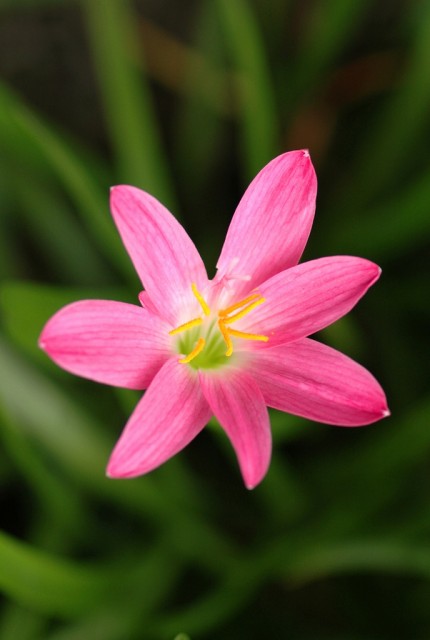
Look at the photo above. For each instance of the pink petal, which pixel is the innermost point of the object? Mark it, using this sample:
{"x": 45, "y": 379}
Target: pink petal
{"x": 271, "y": 225}
{"x": 171, "y": 413}
{"x": 308, "y": 297}
{"x": 309, "y": 379}
{"x": 163, "y": 254}
{"x": 111, "y": 342}
{"x": 239, "y": 406}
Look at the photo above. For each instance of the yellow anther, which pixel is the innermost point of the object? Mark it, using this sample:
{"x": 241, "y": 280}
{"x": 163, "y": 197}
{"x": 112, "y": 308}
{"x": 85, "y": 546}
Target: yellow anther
{"x": 238, "y": 305}
{"x": 243, "y": 312}
{"x": 247, "y": 336}
{"x": 200, "y": 345}
{"x": 187, "y": 325}
{"x": 202, "y": 301}
{"x": 238, "y": 310}
{"x": 226, "y": 335}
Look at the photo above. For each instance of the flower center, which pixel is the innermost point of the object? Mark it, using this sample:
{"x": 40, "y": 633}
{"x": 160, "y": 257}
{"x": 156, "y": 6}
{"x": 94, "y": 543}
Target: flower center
{"x": 208, "y": 339}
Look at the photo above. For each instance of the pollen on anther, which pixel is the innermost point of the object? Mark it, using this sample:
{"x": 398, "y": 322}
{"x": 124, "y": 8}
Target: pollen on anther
{"x": 243, "y": 312}
{"x": 239, "y": 305}
{"x": 226, "y": 335}
{"x": 200, "y": 345}
{"x": 248, "y": 336}
{"x": 187, "y": 325}
{"x": 204, "y": 305}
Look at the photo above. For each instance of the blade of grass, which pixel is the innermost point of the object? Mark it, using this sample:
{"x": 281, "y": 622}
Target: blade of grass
{"x": 202, "y": 109}
{"x": 152, "y": 577}
{"x": 388, "y": 461}
{"x": 126, "y": 98}
{"x": 55, "y": 233}
{"x": 389, "y": 144}
{"x": 22, "y": 132}
{"x": 18, "y": 622}
{"x": 397, "y": 225}
{"x": 381, "y": 556}
{"x": 76, "y": 444}
{"x": 57, "y": 501}
{"x": 48, "y": 584}
{"x": 329, "y": 29}
{"x": 9, "y": 252}
{"x": 258, "y": 118}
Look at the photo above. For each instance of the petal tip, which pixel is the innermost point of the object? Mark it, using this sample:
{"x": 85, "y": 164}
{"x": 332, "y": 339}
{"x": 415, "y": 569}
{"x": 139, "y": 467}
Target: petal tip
{"x": 377, "y": 269}
{"x": 116, "y": 190}
{"x": 253, "y": 477}
{"x": 119, "y": 192}
{"x": 373, "y": 270}
{"x": 251, "y": 483}
{"x": 118, "y": 473}
{"x": 43, "y": 341}
{"x": 114, "y": 471}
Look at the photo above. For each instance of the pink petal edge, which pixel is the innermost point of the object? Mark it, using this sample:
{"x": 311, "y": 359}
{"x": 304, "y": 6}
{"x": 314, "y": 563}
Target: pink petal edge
{"x": 238, "y": 404}
{"x": 304, "y": 299}
{"x": 110, "y": 342}
{"x": 163, "y": 254}
{"x": 272, "y": 222}
{"x": 312, "y": 380}
{"x": 171, "y": 414}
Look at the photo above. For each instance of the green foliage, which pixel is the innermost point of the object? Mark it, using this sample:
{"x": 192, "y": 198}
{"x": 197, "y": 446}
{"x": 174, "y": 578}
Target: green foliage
{"x": 334, "y": 543}
{"x": 128, "y": 110}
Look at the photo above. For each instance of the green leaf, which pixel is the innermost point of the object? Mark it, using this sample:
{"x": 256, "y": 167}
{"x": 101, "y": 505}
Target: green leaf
{"x": 328, "y": 30}
{"x": 56, "y": 234}
{"x": 258, "y": 117}
{"x": 48, "y": 584}
{"x": 203, "y": 108}
{"x": 126, "y": 98}
{"x": 399, "y": 224}
{"x": 389, "y": 144}
{"x": 19, "y": 622}
{"x": 381, "y": 556}
{"x": 57, "y": 501}
{"x": 30, "y": 139}
{"x": 50, "y": 417}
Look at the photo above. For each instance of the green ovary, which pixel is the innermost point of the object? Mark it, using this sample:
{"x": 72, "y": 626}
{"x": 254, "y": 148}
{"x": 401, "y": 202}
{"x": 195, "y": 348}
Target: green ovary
{"x": 213, "y": 355}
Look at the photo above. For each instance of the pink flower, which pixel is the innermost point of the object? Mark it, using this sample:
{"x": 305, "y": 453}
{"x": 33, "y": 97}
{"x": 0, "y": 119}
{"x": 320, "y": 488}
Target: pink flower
{"x": 228, "y": 346}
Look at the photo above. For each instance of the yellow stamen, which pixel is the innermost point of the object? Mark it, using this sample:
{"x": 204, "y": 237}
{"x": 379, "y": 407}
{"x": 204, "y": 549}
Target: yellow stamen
{"x": 244, "y": 312}
{"x": 227, "y": 339}
{"x": 201, "y": 300}
{"x": 238, "y": 310}
{"x": 238, "y": 305}
{"x": 247, "y": 336}
{"x": 185, "y": 326}
{"x": 200, "y": 345}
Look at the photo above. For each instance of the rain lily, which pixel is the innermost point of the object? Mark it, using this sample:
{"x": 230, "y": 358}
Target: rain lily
{"x": 230, "y": 346}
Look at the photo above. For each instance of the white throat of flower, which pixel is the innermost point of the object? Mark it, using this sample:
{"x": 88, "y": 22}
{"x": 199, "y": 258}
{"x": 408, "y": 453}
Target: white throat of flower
{"x": 208, "y": 339}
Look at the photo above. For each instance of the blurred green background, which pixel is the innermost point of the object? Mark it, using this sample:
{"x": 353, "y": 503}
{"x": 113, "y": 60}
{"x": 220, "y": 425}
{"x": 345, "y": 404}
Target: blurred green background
{"x": 189, "y": 100}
